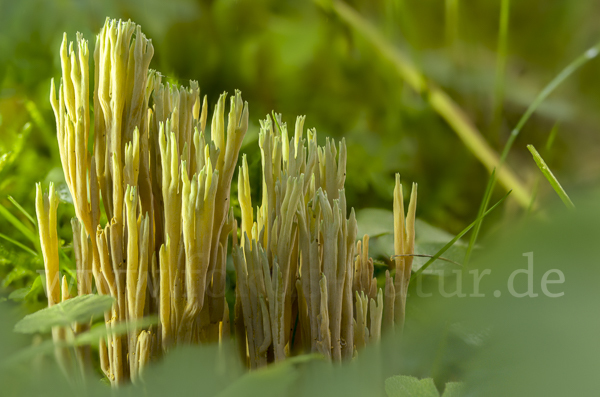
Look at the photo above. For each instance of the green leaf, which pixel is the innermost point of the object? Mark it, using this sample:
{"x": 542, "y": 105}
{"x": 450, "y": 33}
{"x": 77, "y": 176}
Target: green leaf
{"x": 379, "y": 225}
{"x": 19, "y": 294}
{"x": 550, "y": 177}
{"x": 424, "y": 232}
{"x": 86, "y": 338}
{"x": 120, "y": 328}
{"x": 454, "y": 389}
{"x": 17, "y": 273}
{"x": 79, "y": 309}
{"x": 378, "y": 222}
{"x": 25, "y": 293}
{"x": 407, "y": 386}
{"x": 273, "y": 381}
{"x": 374, "y": 222}
{"x": 35, "y": 288}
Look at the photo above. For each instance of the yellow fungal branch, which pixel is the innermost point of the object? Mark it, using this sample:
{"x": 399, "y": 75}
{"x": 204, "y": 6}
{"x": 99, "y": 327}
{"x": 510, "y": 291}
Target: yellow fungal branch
{"x": 46, "y": 205}
{"x": 404, "y": 247}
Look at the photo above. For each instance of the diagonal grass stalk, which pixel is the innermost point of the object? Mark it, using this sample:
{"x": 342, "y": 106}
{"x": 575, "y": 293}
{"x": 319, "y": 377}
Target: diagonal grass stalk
{"x": 18, "y": 244}
{"x": 501, "y": 67}
{"x": 451, "y": 22}
{"x": 550, "y": 177}
{"x": 536, "y": 183}
{"x": 18, "y": 224}
{"x": 456, "y": 238}
{"x": 438, "y": 99}
{"x": 588, "y": 55}
{"x": 22, "y": 210}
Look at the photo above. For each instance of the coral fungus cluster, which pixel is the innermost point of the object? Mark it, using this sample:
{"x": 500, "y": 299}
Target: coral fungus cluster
{"x": 154, "y": 220}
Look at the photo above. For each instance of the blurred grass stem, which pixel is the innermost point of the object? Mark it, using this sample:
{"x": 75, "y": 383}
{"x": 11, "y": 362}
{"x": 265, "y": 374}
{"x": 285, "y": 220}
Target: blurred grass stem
{"x": 589, "y": 54}
{"x": 439, "y": 100}
{"x": 500, "y": 80}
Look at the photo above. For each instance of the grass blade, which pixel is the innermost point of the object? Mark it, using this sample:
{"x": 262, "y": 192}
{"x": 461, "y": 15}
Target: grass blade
{"x": 456, "y": 238}
{"x": 18, "y": 224}
{"x": 451, "y": 22}
{"x": 486, "y": 199}
{"x": 502, "y": 55}
{"x": 20, "y": 208}
{"x": 18, "y": 244}
{"x": 550, "y": 177}
{"x": 588, "y": 55}
{"x": 581, "y": 60}
{"x": 536, "y": 183}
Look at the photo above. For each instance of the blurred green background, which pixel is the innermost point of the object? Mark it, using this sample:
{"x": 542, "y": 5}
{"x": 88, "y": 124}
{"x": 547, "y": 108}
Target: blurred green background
{"x": 296, "y": 58}
{"x": 300, "y": 58}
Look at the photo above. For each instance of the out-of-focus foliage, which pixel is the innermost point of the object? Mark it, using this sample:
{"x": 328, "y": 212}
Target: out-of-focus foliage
{"x": 297, "y": 58}
{"x": 402, "y": 386}
{"x": 500, "y": 345}
{"x": 539, "y": 345}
